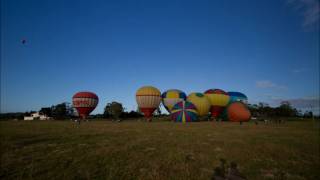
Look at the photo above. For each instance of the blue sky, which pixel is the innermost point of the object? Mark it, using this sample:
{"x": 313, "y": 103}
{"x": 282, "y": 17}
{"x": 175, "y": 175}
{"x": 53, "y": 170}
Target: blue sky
{"x": 267, "y": 49}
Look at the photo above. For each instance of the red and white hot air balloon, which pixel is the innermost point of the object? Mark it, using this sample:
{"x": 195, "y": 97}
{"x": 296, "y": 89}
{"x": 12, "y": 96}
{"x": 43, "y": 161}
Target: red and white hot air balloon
{"x": 85, "y": 103}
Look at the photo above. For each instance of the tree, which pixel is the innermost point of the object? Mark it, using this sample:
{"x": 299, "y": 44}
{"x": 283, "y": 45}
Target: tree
{"x": 10, "y": 116}
{"x": 134, "y": 114}
{"x": 59, "y": 111}
{"x": 253, "y": 108}
{"x": 62, "y": 111}
{"x": 286, "y": 110}
{"x": 70, "y": 109}
{"x": 46, "y": 111}
{"x": 131, "y": 114}
{"x": 264, "y": 110}
{"x": 107, "y": 111}
{"x": 308, "y": 114}
{"x": 113, "y": 109}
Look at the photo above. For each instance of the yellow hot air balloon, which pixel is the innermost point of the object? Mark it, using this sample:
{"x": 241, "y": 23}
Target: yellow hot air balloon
{"x": 201, "y": 102}
{"x": 148, "y": 99}
{"x": 219, "y": 99}
{"x": 172, "y": 97}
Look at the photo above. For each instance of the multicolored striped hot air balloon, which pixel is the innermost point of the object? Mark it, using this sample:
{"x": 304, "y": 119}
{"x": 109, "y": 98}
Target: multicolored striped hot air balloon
{"x": 148, "y": 99}
{"x": 172, "y": 97}
{"x": 85, "y": 103}
{"x": 219, "y": 99}
{"x": 184, "y": 111}
{"x": 237, "y": 112}
{"x": 201, "y": 102}
{"x": 238, "y": 96}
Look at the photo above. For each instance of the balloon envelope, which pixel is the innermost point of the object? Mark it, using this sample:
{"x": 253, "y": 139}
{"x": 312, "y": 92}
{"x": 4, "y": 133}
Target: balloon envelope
{"x": 201, "y": 102}
{"x": 148, "y": 99}
{"x": 238, "y": 112}
{"x": 218, "y": 100}
{"x": 85, "y": 103}
{"x": 184, "y": 111}
{"x": 238, "y": 96}
{"x": 172, "y": 97}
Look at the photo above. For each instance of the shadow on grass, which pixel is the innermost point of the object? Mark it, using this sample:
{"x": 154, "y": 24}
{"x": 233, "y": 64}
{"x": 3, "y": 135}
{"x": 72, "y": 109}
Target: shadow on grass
{"x": 227, "y": 171}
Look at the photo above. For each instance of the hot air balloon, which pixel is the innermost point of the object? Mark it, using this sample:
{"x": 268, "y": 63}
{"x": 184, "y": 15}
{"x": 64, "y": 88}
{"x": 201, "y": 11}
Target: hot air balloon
{"x": 23, "y": 41}
{"x": 85, "y": 103}
{"x": 238, "y": 112}
{"x": 201, "y": 102}
{"x": 184, "y": 111}
{"x": 172, "y": 97}
{"x": 148, "y": 99}
{"x": 218, "y": 100}
{"x": 238, "y": 96}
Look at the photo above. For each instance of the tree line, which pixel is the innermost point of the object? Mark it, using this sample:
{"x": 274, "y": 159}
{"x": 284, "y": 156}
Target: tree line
{"x": 63, "y": 111}
{"x": 115, "y": 110}
{"x": 285, "y": 109}
{"x": 60, "y": 111}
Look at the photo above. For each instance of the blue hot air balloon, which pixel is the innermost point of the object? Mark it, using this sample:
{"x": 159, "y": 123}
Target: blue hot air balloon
{"x": 237, "y": 96}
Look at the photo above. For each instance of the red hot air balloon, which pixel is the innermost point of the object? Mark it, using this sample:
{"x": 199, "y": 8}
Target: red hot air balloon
{"x": 85, "y": 103}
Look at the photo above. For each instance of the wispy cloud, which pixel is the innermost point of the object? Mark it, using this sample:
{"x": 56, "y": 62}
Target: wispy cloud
{"x": 310, "y": 9}
{"x": 265, "y": 84}
{"x": 272, "y": 96}
{"x": 299, "y": 70}
{"x": 268, "y": 84}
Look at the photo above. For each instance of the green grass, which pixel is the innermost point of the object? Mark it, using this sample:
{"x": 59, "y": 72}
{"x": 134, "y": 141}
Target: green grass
{"x": 157, "y": 150}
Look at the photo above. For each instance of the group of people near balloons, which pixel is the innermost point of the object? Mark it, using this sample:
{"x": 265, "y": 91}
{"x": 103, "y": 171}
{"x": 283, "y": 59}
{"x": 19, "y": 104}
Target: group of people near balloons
{"x": 230, "y": 106}
{"x": 214, "y": 102}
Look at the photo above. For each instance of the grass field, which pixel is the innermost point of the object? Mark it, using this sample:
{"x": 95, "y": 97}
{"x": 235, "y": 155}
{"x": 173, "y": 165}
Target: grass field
{"x": 157, "y": 150}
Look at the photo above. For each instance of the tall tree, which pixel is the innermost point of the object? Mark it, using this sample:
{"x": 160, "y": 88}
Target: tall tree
{"x": 60, "y": 111}
{"x": 286, "y": 110}
{"x": 46, "y": 111}
{"x": 114, "y": 109}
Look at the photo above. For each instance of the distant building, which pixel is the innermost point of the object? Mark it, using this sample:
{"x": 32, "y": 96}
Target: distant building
{"x": 27, "y": 118}
{"x": 75, "y": 112}
{"x": 36, "y": 115}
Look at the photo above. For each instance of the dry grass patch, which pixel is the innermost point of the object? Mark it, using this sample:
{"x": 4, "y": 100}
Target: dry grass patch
{"x": 157, "y": 150}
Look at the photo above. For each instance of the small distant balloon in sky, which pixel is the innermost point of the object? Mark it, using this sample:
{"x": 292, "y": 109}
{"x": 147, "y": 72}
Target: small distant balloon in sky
{"x": 23, "y": 41}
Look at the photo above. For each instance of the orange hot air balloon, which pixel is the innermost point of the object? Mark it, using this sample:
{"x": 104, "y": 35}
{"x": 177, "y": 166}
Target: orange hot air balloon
{"x": 238, "y": 112}
{"x": 219, "y": 99}
{"x": 148, "y": 99}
